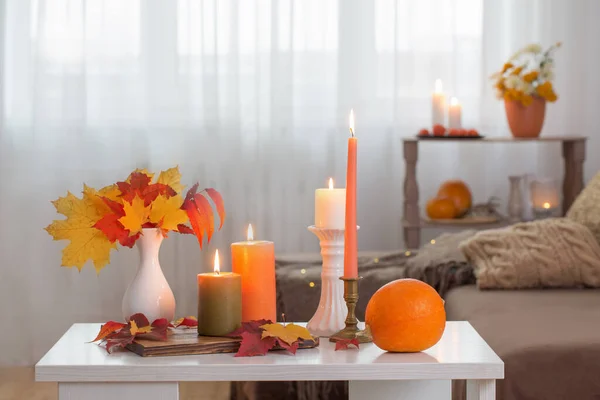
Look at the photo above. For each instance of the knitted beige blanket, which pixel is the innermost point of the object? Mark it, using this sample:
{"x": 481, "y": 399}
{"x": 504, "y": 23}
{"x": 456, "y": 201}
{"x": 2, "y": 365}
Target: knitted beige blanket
{"x": 553, "y": 252}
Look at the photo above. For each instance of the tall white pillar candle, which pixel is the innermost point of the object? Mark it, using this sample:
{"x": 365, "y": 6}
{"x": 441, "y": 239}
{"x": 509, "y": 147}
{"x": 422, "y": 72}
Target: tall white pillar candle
{"x": 438, "y": 110}
{"x": 454, "y": 114}
{"x": 330, "y": 207}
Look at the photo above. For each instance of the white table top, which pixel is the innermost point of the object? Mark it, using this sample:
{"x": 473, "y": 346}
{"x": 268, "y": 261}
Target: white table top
{"x": 460, "y": 354}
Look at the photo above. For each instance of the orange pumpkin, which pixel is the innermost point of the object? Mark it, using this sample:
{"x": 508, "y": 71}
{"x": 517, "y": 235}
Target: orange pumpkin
{"x": 459, "y": 193}
{"x": 441, "y": 208}
{"x": 406, "y": 315}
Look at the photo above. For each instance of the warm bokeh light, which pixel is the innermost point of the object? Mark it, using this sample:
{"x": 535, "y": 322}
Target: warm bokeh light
{"x": 217, "y": 267}
{"x": 250, "y": 234}
{"x": 453, "y": 101}
{"x": 438, "y": 86}
{"x": 351, "y": 122}
{"x": 330, "y": 183}
{"x": 546, "y": 205}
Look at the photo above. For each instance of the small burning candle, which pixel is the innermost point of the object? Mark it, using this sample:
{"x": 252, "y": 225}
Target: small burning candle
{"x": 438, "y": 104}
{"x": 330, "y": 207}
{"x": 254, "y": 261}
{"x": 219, "y": 301}
{"x": 454, "y": 114}
{"x": 545, "y": 198}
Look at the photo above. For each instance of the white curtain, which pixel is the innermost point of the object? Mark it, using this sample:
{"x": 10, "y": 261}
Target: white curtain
{"x": 251, "y": 97}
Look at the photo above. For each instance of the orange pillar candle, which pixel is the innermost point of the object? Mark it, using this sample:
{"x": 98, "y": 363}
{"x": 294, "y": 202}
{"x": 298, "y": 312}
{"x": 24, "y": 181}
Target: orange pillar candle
{"x": 254, "y": 260}
{"x": 350, "y": 240}
{"x": 219, "y": 302}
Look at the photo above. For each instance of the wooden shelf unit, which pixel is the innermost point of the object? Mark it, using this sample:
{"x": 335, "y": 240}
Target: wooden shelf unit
{"x": 573, "y": 150}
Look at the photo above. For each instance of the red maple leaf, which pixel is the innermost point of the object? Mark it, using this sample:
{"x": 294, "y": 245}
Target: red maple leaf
{"x": 253, "y": 326}
{"x": 289, "y": 347}
{"x": 118, "y": 339}
{"x": 343, "y": 344}
{"x": 253, "y": 345}
{"x": 188, "y": 322}
{"x": 159, "y": 330}
{"x": 114, "y": 230}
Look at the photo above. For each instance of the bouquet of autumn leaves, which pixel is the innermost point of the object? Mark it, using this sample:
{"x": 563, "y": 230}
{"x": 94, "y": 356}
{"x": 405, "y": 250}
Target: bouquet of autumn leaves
{"x": 117, "y": 213}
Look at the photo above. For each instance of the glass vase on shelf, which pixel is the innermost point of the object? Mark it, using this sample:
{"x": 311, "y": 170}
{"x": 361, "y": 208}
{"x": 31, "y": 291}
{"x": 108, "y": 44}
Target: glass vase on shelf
{"x": 515, "y": 199}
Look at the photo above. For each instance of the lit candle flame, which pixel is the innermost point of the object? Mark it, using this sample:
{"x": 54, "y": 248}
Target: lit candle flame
{"x": 438, "y": 86}
{"x": 330, "y": 183}
{"x": 217, "y": 268}
{"x": 546, "y": 205}
{"x": 351, "y": 121}
{"x": 453, "y": 101}
{"x": 250, "y": 234}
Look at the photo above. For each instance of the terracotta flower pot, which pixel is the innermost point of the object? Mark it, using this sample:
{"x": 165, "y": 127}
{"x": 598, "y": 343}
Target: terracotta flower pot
{"x": 525, "y": 122}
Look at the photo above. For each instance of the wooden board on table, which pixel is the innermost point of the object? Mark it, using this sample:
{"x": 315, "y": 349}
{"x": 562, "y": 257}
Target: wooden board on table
{"x": 187, "y": 342}
{"x": 465, "y": 220}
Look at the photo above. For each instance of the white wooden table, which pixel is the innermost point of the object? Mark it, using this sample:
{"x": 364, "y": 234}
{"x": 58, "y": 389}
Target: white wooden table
{"x": 84, "y": 371}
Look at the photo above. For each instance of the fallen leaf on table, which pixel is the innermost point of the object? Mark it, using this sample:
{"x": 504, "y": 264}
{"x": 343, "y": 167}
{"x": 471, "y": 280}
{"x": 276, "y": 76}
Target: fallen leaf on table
{"x": 251, "y": 327}
{"x": 288, "y": 333}
{"x": 108, "y": 328}
{"x": 120, "y": 339}
{"x": 344, "y": 343}
{"x": 253, "y": 345}
{"x": 134, "y": 329}
{"x": 289, "y": 347}
{"x": 186, "y": 321}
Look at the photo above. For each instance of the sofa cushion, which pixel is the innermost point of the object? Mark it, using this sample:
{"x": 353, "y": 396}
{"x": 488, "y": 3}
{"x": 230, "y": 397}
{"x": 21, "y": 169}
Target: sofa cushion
{"x": 554, "y": 252}
{"x": 586, "y": 207}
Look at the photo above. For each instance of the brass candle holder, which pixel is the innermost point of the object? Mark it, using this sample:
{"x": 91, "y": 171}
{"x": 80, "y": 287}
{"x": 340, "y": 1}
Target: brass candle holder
{"x": 351, "y": 330}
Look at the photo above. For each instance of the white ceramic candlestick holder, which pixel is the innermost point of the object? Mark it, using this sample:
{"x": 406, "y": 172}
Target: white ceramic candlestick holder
{"x": 331, "y": 312}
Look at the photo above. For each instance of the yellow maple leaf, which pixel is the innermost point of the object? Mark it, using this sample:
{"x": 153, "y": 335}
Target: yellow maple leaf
{"x": 167, "y": 212}
{"x": 171, "y": 177}
{"x": 134, "y": 330}
{"x": 143, "y": 171}
{"x": 111, "y": 192}
{"x": 86, "y": 242}
{"x": 136, "y": 214}
{"x": 288, "y": 333}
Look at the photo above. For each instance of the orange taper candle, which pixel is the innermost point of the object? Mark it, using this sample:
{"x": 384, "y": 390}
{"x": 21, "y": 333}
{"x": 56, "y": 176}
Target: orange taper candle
{"x": 350, "y": 240}
{"x": 254, "y": 260}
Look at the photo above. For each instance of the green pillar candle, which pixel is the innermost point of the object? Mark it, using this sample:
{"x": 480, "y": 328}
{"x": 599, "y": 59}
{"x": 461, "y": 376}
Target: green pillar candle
{"x": 219, "y": 302}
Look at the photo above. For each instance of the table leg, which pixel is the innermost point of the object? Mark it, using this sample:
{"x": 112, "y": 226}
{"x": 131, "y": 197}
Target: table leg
{"x": 412, "y": 215}
{"x": 400, "y": 390}
{"x": 118, "y": 390}
{"x": 484, "y": 389}
{"x": 574, "y": 155}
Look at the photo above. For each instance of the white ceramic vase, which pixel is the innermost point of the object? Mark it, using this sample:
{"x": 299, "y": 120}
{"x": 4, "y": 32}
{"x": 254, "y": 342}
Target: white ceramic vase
{"x": 149, "y": 292}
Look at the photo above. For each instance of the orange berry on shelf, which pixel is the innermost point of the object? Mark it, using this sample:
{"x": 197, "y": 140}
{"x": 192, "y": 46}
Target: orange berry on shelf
{"x": 439, "y": 130}
{"x": 473, "y": 132}
{"x": 423, "y": 132}
{"x": 453, "y": 132}
{"x": 406, "y": 315}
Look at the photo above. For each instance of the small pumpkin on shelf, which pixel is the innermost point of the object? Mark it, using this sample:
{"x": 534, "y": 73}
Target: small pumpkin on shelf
{"x": 458, "y": 192}
{"x": 441, "y": 208}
